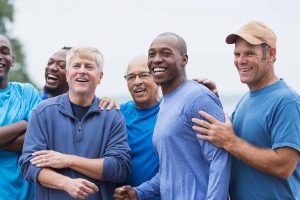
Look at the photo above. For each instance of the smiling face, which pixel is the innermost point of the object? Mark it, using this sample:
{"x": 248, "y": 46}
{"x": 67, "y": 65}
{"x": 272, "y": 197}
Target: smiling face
{"x": 166, "y": 61}
{"x": 83, "y": 76}
{"x": 140, "y": 83}
{"x": 254, "y": 67}
{"x": 55, "y": 74}
{"x": 6, "y": 60}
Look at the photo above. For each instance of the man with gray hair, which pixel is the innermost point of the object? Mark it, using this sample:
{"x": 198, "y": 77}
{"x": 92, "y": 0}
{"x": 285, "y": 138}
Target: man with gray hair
{"x": 72, "y": 148}
{"x": 264, "y": 135}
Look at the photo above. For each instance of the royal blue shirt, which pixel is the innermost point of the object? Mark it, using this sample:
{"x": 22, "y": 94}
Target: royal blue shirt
{"x": 140, "y": 126}
{"x": 16, "y": 103}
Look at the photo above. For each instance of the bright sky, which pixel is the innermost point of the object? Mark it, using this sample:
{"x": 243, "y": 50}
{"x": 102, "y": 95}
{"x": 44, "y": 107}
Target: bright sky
{"x": 122, "y": 29}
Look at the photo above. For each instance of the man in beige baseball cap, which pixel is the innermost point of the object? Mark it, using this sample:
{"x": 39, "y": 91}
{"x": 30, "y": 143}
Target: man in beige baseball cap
{"x": 263, "y": 133}
{"x": 254, "y": 33}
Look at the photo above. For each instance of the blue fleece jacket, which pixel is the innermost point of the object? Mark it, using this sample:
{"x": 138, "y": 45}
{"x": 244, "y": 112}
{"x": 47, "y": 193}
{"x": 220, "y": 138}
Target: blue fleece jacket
{"x": 100, "y": 134}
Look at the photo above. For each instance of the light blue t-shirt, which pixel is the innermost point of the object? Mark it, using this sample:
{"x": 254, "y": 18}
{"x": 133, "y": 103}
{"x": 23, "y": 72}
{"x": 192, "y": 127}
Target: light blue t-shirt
{"x": 140, "y": 126}
{"x": 189, "y": 168}
{"x": 267, "y": 118}
{"x": 16, "y": 103}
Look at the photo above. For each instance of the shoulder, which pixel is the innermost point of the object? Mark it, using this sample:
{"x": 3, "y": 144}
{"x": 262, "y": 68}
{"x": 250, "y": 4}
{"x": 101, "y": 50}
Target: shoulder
{"x": 50, "y": 103}
{"x": 127, "y": 106}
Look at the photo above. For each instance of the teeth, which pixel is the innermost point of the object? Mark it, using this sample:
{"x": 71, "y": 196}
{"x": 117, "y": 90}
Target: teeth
{"x": 159, "y": 69}
{"x": 81, "y": 80}
{"x": 139, "y": 90}
{"x": 52, "y": 76}
{"x": 1, "y": 66}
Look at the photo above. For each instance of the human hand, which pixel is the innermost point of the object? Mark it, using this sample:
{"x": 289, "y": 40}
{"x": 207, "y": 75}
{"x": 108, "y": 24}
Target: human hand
{"x": 125, "y": 193}
{"x": 108, "y": 103}
{"x": 212, "y": 130}
{"x": 80, "y": 188}
{"x": 49, "y": 158}
{"x": 209, "y": 84}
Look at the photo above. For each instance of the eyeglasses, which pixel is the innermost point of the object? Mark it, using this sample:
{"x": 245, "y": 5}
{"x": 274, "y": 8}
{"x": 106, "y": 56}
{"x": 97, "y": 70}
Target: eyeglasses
{"x": 132, "y": 77}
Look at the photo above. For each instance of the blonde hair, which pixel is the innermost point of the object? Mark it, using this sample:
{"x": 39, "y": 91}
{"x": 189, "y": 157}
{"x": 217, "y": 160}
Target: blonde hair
{"x": 85, "y": 52}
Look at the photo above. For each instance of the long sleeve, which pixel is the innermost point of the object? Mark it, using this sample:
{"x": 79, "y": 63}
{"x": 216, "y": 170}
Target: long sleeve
{"x": 149, "y": 189}
{"x": 34, "y": 141}
{"x": 117, "y": 162}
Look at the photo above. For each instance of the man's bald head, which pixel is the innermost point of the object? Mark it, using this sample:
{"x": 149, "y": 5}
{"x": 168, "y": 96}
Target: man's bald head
{"x": 181, "y": 44}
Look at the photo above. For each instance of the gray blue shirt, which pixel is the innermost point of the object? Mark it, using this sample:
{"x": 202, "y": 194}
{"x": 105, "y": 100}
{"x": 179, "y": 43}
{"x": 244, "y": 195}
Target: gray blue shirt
{"x": 100, "y": 134}
{"x": 190, "y": 168}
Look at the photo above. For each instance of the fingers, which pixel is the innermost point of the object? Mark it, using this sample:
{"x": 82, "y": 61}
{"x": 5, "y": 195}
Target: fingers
{"x": 91, "y": 186}
{"x": 208, "y": 117}
{"x": 122, "y": 193}
{"x": 108, "y": 103}
{"x": 42, "y": 152}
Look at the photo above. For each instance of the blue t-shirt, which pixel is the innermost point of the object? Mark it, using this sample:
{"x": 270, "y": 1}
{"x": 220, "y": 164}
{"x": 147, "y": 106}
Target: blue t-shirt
{"x": 140, "y": 126}
{"x": 189, "y": 168}
{"x": 267, "y": 118}
{"x": 16, "y": 103}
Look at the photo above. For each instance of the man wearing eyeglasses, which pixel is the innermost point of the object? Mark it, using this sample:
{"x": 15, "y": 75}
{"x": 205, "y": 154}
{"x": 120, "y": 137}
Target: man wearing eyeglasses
{"x": 140, "y": 115}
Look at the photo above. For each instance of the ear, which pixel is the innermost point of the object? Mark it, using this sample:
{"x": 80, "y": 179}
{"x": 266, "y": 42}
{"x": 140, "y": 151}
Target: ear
{"x": 185, "y": 59}
{"x": 272, "y": 54}
{"x": 100, "y": 78}
{"x": 13, "y": 59}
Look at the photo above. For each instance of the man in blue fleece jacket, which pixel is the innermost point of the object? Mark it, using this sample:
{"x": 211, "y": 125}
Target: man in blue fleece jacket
{"x": 72, "y": 148}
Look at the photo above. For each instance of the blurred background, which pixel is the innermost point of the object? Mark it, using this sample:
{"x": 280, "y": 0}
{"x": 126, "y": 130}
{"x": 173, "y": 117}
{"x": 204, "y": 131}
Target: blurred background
{"x": 122, "y": 29}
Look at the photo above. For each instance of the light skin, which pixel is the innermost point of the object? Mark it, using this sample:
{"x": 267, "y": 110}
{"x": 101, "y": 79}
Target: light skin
{"x": 83, "y": 76}
{"x": 256, "y": 70}
{"x": 142, "y": 88}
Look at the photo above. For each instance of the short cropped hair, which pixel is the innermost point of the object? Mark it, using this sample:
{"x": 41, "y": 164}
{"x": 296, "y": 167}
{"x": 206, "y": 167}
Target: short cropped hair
{"x": 85, "y": 52}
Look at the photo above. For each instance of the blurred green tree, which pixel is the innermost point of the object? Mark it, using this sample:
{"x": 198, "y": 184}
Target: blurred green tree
{"x": 18, "y": 72}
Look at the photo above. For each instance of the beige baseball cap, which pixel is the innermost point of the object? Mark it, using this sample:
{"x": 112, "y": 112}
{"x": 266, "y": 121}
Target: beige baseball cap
{"x": 254, "y": 33}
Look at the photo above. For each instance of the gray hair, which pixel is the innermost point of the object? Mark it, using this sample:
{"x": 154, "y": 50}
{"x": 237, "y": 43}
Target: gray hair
{"x": 85, "y": 52}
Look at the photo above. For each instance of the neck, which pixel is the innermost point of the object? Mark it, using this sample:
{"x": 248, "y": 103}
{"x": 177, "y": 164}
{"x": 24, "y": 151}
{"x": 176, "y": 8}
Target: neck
{"x": 267, "y": 80}
{"x": 81, "y": 100}
{"x": 3, "y": 83}
{"x": 173, "y": 85}
{"x": 147, "y": 105}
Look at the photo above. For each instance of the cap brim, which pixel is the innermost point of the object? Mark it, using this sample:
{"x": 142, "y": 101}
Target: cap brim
{"x": 231, "y": 39}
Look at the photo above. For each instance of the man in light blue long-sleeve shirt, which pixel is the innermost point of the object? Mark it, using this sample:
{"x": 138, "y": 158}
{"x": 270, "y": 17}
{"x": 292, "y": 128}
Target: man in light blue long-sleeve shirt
{"x": 189, "y": 168}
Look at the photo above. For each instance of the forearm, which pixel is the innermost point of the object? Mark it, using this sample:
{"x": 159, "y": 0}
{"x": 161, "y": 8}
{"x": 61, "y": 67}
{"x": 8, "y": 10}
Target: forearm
{"x": 92, "y": 168}
{"x": 219, "y": 176}
{"x": 15, "y": 145}
{"x": 11, "y": 131}
{"x": 51, "y": 179}
{"x": 277, "y": 163}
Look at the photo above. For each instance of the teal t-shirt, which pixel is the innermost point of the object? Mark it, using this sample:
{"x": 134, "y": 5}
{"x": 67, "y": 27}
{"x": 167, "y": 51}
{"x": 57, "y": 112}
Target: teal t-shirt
{"x": 16, "y": 103}
{"x": 267, "y": 118}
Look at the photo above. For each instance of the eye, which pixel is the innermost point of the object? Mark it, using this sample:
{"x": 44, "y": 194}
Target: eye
{"x": 166, "y": 53}
{"x": 50, "y": 62}
{"x": 62, "y": 65}
{"x": 130, "y": 77}
{"x": 76, "y": 66}
{"x": 151, "y": 54}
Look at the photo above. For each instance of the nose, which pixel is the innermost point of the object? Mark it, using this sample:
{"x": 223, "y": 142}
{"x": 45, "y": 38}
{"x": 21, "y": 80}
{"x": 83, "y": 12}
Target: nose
{"x": 138, "y": 80}
{"x": 241, "y": 60}
{"x": 53, "y": 67}
{"x": 82, "y": 69}
{"x": 157, "y": 58}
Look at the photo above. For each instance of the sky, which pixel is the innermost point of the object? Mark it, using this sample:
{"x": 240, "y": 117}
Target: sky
{"x": 123, "y": 29}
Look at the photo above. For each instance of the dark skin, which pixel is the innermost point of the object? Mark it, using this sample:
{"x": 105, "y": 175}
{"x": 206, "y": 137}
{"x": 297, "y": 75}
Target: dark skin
{"x": 167, "y": 59}
{"x": 12, "y": 135}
